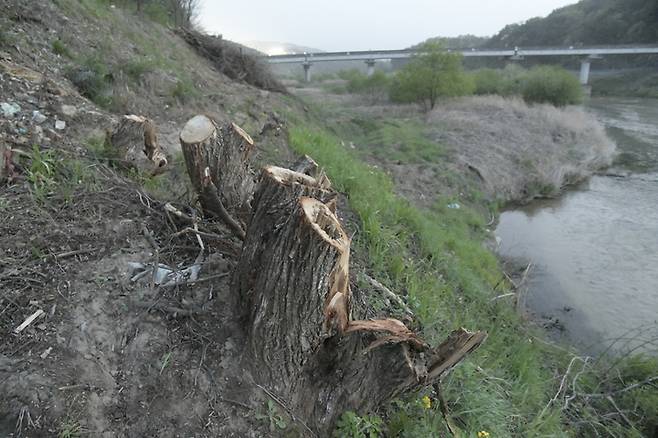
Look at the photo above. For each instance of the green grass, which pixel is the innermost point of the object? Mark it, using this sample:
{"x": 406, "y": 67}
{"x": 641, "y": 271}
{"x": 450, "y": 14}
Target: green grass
{"x": 59, "y": 48}
{"x": 403, "y": 141}
{"x": 137, "y": 67}
{"x": 438, "y": 259}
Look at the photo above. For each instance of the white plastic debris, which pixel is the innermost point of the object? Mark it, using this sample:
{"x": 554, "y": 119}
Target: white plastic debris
{"x": 164, "y": 275}
{"x": 9, "y": 109}
{"x": 60, "y": 125}
{"x": 454, "y": 206}
{"x": 38, "y": 117}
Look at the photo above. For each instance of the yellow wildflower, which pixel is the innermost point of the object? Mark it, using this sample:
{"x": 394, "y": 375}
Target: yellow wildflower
{"x": 483, "y": 434}
{"x": 427, "y": 402}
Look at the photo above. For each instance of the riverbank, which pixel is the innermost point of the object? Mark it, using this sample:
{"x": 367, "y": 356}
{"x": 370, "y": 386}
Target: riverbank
{"x": 424, "y": 230}
{"x": 594, "y": 249}
{"x": 480, "y": 150}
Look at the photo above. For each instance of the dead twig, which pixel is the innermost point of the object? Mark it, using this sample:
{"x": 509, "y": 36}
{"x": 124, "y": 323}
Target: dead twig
{"x": 191, "y": 283}
{"x": 285, "y": 408}
{"x": 388, "y": 293}
{"x": 562, "y": 383}
{"x": 30, "y": 319}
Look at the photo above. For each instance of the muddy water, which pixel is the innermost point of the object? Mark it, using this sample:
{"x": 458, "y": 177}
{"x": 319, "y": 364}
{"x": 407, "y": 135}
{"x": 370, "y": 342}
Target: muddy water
{"x": 594, "y": 279}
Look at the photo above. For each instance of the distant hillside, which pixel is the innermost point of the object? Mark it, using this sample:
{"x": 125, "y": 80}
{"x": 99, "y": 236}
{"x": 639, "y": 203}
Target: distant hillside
{"x": 459, "y": 42}
{"x": 276, "y": 48}
{"x": 588, "y": 22}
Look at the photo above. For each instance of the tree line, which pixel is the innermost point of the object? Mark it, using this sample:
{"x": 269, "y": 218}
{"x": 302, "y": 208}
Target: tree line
{"x": 435, "y": 73}
{"x": 179, "y": 13}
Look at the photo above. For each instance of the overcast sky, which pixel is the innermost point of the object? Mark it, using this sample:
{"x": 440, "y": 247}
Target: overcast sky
{"x": 337, "y": 25}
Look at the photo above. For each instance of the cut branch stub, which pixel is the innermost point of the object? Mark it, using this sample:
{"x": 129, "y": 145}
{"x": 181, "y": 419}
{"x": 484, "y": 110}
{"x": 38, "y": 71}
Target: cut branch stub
{"x": 218, "y": 156}
{"x": 134, "y": 143}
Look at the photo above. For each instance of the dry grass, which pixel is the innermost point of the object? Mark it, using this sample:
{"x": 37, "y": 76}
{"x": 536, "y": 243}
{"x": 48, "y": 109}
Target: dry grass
{"x": 522, "y": 151}
{"x": 233, "y": 60}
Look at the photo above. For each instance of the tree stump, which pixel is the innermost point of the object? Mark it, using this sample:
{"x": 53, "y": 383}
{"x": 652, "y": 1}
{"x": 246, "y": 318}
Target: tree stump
{"x": 217, "y": 160}
{"x": 293, "y": 282}
{"x": 6, "y": 163}
{"x": 134, "y": 143}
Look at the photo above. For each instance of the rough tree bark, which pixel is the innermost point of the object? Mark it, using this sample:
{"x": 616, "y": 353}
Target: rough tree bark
{"x": 134, "y": 143}
{"x": 217, "y": 160}
{"x": 6, "y": 163}
{"x": 293, "y": 281}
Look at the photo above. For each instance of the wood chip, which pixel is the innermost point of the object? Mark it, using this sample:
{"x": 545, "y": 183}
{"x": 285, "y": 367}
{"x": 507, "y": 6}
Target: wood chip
{"x": 30, "y": 319}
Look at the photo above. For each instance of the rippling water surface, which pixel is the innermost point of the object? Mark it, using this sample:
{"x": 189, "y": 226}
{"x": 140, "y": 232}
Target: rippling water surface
{"x": 595, "y": 250}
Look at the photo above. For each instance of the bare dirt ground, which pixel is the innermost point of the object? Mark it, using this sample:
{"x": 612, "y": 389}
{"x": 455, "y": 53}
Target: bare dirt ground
{"x": 113, "y": 355}
{"x": 110, "y": 356}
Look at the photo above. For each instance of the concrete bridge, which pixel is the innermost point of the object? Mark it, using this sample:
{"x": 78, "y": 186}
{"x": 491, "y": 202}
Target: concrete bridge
{"x": 586, "y": 55}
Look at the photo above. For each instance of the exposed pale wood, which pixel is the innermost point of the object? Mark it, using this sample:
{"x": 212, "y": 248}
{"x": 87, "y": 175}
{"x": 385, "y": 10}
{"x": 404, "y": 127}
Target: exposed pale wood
{"x": 305, "y": 165}
{"x": 217, "y": 160}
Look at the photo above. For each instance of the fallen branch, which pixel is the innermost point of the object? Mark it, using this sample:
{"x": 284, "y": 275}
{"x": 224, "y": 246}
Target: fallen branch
{"x": 30, "y": 319}
{"x": 286, "y": 408}
{"x": 389, "y": 294}
{"x": 192, "y": 283}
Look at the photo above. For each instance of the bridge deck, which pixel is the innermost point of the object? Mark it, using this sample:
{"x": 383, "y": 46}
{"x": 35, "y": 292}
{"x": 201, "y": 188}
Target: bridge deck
{"x": 473, "y": 53}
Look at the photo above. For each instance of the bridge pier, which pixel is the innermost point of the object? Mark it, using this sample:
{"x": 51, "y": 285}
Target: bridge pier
{"x": 370, "y": 65}
{"x": 584, "y": 71}
{"x": 307, "y": 71}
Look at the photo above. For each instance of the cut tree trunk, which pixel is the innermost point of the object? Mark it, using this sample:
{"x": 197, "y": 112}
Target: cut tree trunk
{"x": 134, "y": 143}
{"x": 217, "y": 160}
{"x": 293, "y": 282}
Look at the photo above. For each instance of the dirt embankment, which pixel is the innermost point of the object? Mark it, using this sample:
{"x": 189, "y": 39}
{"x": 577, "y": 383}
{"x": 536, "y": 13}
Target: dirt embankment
{"x": 113, "y": 353}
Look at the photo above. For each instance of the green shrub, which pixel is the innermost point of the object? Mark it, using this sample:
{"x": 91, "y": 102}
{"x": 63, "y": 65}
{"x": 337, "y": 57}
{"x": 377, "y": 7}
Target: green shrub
{"x": 136, "y": 68}
{"x": 376, "y": 85}
{"x": 348, "y": 75}
{"x": 184, "y": 90}
{"x": 432, "y": 74}
{"x": 552, "y": 85}
{"x": 351, "y": 425}
{"x": 59, "y": 48}
{"x": 506, "y": 82}
{"x": 93, "y": 78}
{"x": 488, "y": 81}
{"x": 7, "y": 39}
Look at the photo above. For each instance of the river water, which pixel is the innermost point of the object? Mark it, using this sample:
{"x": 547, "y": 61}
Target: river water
{"x": 594, "y": 251}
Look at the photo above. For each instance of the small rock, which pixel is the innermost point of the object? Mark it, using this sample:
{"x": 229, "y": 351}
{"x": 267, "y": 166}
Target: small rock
{"x": 38, "y": 117}
{"x": 60, "y": 125}
{"x": 46, "y": 352}
{"x": 9, "y": 109}
{"x": 68, "y": 110}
